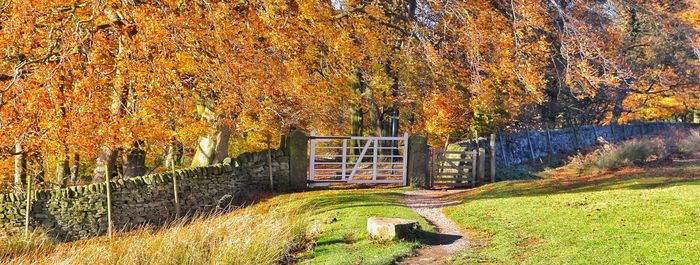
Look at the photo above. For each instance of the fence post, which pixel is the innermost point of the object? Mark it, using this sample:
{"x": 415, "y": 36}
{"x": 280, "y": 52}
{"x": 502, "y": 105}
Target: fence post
{"x": 418, "y": 159}
{"x": 269, "y": 163}
{"x": 503, "y": 149}
{"x": 529, "y": 144}
{"x": 109, "y": 200}
{"x": 492, "y": 163}
{"x": 312, "y": 157}
{"x": 595, "y": 134}
{"x": 177, "y": 199}
{"x": 481, "y": 166}
{"x": 28, "y": 207}
{"x": 577, "y": 144}
{"x": 612, "y": 132}
{"x": 297, "y": 148}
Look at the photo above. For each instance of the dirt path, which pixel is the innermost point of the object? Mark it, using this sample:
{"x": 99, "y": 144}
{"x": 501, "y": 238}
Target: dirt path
{"x": 449, "y": 238}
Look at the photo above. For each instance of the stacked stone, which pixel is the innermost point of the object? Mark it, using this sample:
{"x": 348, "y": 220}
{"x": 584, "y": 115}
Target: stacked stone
{"x": 81, "y": 211}
{"x": 254, "y": 164}
{"x": 514, "y": 148}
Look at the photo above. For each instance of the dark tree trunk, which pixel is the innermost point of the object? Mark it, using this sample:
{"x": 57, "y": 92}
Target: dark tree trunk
{"x": 358, "y": 114}
{"x": 618, "y": 107}
{"x": 75, "y": 169}
{"x": 134, "y": 160}
{"x": 62, "y": 172}
{"x": 357, "y": 128}
{"x": 39, "y": 172}
{"x": 175, "y": 153}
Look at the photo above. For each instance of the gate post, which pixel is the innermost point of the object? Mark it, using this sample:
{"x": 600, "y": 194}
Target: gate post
{"x": 480, "y": 166}
{"x": 418, "y": 159}
{"x": 297, "y": 149}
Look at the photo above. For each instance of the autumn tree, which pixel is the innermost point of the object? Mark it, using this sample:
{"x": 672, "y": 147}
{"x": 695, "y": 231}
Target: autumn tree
{"x": 619, "y": 59}
{"x": 135, "y": 85}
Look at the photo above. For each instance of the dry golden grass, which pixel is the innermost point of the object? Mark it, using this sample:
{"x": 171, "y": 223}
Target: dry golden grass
{"x": 17, "y": 244}
{"x": 638, "y": 152}
{"x": 263, "y": 234}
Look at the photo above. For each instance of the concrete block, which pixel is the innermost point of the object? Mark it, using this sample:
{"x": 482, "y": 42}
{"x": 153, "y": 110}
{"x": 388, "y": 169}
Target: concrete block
{"x": 392, "y": 228}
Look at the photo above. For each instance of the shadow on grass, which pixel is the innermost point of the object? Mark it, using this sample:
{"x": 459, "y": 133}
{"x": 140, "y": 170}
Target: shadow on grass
{"x": 348, "y": 200}
{"x": 435, "y": 239}
{"x": 562, "y": 181}
{"x": 319, "y": 201}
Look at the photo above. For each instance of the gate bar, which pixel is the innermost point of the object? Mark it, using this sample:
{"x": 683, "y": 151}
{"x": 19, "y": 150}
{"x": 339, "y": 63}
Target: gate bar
{"x": 312, "y": 157}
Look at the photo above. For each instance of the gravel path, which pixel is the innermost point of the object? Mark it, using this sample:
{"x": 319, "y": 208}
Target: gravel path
{"x": 449, "y": 238}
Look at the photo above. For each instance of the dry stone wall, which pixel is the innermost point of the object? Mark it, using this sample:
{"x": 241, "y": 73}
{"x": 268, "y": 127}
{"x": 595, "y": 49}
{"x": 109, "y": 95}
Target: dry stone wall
{"x": 81, "y": 211}
{"x": 521, "y": 147}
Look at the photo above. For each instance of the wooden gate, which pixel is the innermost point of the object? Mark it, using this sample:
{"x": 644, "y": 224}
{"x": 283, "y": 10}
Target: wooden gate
{"x": 453, "y": 168}
{"x": 353, "y": 159}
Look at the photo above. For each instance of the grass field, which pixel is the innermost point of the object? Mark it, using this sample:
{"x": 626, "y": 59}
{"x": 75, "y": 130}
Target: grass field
{"x": 631, "y": 216}
{"x": 318, "y": 227}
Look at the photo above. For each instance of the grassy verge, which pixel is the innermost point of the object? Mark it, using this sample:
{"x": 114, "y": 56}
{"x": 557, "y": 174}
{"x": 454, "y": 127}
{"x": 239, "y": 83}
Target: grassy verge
{"x": 631, "y": 216}
{"x": 342, "y": 218}
{"x": 331, "y": 224}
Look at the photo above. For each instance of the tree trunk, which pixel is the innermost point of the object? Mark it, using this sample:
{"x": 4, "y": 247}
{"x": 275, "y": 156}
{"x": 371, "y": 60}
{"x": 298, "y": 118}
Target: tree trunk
{"x": 391, "y": 121}
{"x": 175, "y": 153}
{"x": 62, "y": 172}
{"x": 118, "y": 97}
{"x": 357, "y": 113}
{"x": 213, "y": 148}
{"x": 357, "y": 128}
{"x": 134, "y": 161}
{"x": 222, "y": 142}
{"x": 75, "y": 169}
{"x": 39, "y": 173}
{"x": 205, "y": 152}
{"x": 618, "y": 107}
{"x": 107, "y": 157}
{"x": 394, "y": 129}
{"x": 20, "y": 166}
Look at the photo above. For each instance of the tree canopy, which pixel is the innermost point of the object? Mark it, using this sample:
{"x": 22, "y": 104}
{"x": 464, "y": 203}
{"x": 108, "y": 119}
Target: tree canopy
{"x": 79, "y": 77}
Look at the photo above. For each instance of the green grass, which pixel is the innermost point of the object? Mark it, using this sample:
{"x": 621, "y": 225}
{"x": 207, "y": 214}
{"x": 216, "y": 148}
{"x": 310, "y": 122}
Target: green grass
{"x": 269, "y": 232}
{"x": 342, "y": 215}
{"x": 632, "y": 216}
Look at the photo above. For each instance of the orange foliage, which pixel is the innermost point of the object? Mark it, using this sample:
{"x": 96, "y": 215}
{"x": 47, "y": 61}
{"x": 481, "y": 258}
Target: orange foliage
{"x": 76, "y": 76}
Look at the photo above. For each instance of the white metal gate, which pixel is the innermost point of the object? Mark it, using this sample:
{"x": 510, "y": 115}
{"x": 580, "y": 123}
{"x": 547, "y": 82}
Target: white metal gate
{"x": 353, "y": 159}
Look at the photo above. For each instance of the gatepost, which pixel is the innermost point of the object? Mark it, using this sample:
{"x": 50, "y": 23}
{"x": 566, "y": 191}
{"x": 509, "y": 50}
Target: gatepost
{"x": 297, "y": 149}
{"x": 418, "y": 159}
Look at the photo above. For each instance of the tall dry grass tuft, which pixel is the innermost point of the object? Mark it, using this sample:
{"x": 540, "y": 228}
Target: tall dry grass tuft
{"x": 631, "y": 152}
{"x": 255, "y": 235}
{"x": 674, "y": 143}
{"x": 689, "y": 144}
{"x": 17, "y": 244}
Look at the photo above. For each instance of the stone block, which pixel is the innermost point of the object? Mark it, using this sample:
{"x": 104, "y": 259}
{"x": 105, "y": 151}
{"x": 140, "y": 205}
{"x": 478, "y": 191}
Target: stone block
{"x": 418, "y": 161}
{"x": 392, "y": 228}
{"x": 297, "y": 149}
